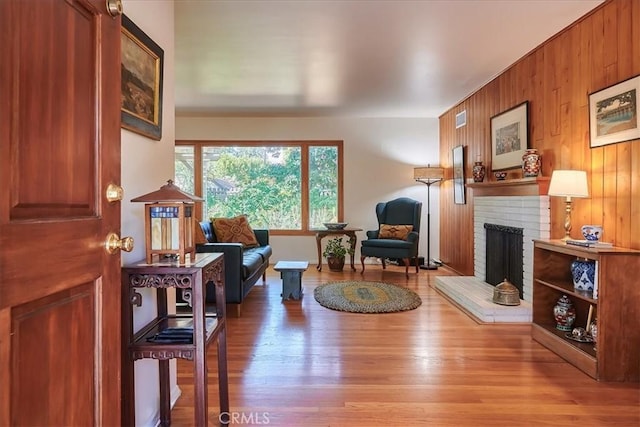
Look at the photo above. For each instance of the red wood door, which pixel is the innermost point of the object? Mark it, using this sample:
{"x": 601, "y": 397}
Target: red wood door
{"x": 59, "y": 149}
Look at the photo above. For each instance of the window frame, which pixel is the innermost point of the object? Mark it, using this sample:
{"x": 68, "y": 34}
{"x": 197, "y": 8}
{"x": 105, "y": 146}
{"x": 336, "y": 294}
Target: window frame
{"x": 304, "y": 173}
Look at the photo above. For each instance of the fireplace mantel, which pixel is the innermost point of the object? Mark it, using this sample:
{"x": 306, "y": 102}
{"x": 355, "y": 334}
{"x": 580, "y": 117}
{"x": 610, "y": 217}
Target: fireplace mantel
{"x": 537, "y": 186}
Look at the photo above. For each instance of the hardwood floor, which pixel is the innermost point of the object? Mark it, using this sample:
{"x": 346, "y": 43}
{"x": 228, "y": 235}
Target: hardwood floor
{"x": 298, "y": 364}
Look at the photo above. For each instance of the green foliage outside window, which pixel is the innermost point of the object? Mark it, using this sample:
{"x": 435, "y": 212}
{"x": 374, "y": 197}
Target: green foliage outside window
{"x": 265, "y": 183}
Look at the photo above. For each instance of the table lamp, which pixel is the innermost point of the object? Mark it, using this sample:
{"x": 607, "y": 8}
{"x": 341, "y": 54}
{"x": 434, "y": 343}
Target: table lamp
{"x": 169, "y": 223}
{"x": 568, "y": 184}
{"x": 429, "y": 175}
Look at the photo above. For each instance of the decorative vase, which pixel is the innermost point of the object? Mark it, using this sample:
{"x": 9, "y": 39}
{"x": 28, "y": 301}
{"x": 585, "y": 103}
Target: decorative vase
{"x": 531, "y": 163}
{"x": 335, "y": 263}
{"x": 584, "y": 274}
{"x": 592, "y": 232}
{"x": 564, "y": 313}
{"x": 500, "y": 175}
{"x": 478, "y": 172}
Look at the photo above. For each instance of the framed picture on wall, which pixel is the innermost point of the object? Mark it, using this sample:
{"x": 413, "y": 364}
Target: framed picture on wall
{"x": 613, "y": 113}
{"x": 458, "y": 175}
{"x": 141, "y": 87}
{"x": 509, "y": 137}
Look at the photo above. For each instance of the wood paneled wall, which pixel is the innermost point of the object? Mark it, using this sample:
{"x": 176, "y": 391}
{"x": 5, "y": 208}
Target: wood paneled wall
{"x": 601, "y": 49}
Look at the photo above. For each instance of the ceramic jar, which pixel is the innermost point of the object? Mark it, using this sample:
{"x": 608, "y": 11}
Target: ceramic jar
{"x": 564, "y": 313}
{"x": 478, "y": 172}
{"x": 531, "y": 163}
{"x": 583, "y": 273}
{"x": 500, "y": 176}
{"x": 592, "y": 232}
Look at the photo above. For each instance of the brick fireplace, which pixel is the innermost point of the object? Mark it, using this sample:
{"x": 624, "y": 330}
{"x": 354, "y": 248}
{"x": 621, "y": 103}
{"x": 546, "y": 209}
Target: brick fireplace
{"x": 521, "y": 204}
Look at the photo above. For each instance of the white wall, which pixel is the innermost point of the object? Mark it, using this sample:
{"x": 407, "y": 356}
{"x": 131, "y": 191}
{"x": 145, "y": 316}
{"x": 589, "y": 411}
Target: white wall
{"x": 146, "y": 165}
{"x": 379, "y": 156}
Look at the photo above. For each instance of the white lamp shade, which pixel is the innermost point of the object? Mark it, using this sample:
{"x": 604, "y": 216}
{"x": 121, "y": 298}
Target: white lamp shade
{"x": 569, "y": 183}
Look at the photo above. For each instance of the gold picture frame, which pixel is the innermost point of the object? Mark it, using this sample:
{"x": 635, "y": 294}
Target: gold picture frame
{"x": 509, "y": 137}
{"x": 141, "y": 68}
{"x": 613, "y": 113}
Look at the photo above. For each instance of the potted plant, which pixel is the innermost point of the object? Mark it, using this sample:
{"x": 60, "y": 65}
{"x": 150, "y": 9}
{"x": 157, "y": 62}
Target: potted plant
{"x": 335, "y": 253}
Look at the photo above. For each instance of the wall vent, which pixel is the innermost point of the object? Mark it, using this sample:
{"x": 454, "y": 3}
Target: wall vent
{"x": 461, "y": 119}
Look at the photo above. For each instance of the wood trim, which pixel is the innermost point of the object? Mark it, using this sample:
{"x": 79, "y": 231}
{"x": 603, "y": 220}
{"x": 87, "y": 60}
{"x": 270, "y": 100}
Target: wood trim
{"x": 604, "y": 49}
{"x": 514, "y": 187}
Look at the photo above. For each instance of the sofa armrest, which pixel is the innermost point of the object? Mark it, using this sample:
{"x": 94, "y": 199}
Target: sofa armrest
{"x": 232, "y": 251}
{"x": 233, "y": 257}
{"x": 262, "y": 235}
{"x": 413, "y": 237}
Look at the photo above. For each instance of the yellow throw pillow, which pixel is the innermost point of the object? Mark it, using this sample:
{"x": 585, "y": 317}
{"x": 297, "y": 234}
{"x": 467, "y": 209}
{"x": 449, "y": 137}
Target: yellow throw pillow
{"x": 235, "y": 230}
{"x": 398, "y": 232}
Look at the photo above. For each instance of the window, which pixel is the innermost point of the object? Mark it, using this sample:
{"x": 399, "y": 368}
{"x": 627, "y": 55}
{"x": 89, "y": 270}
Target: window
{"x": 287, "y": 187}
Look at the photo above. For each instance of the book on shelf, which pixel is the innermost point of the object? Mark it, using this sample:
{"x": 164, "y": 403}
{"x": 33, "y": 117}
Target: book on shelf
{"x": 589, "y": 243}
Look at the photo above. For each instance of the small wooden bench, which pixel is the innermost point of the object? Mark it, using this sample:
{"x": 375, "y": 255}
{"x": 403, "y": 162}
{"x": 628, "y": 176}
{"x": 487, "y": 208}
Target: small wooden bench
{"x": 291, "y": 273}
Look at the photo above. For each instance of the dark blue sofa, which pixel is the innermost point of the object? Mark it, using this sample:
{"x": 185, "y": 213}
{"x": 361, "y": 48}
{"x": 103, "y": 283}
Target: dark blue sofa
{"x": 242, "y": 266}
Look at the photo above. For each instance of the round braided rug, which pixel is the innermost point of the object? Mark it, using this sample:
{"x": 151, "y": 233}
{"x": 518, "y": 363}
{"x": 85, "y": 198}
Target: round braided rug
{"x": 366, "y": 297}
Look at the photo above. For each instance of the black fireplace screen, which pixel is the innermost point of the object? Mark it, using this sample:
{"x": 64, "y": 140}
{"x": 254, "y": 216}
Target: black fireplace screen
{"x": 504, "y": 252}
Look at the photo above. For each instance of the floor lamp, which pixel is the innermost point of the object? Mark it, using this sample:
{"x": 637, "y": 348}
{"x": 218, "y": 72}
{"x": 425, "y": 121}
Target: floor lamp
{"x": 429, "y": 175}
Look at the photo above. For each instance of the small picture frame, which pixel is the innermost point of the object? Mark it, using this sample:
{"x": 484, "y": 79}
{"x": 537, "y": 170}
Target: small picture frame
{"x": 509, "y": 137}
{"x": 613, "y": 113}
{"x": 458, "y": 175}
{"x": 141, "y": 87}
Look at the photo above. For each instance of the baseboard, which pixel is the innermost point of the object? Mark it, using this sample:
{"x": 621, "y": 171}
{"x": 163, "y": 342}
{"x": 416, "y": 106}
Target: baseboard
{"x": 176, "y": 392}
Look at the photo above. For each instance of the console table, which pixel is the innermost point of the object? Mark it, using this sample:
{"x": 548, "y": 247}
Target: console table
{"x": 349, "y": 232}
{"x": 190, "y": 279}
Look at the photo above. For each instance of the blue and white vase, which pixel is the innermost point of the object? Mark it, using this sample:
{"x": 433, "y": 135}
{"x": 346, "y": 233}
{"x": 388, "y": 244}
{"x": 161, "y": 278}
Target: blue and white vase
{"x": 584, "y": 274}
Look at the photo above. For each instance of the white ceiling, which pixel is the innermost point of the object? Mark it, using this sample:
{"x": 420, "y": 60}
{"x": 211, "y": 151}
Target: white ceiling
{"x": 351, "y": 58}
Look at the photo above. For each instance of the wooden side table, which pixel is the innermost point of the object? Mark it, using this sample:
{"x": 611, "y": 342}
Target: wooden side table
{"x": 190, "y": 279}
{"x": 291, "y": 273}
{"x": 349, "y": 232}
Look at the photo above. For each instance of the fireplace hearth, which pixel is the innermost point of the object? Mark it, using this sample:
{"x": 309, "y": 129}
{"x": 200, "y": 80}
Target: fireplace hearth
{"x": 473, "y": 293}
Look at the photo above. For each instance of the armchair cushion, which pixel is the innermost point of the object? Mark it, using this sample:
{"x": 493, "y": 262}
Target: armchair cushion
{"x": 393, "y": 231}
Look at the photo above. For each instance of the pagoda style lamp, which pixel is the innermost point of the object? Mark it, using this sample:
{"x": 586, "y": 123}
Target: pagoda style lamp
{"x": 169, "y": 223}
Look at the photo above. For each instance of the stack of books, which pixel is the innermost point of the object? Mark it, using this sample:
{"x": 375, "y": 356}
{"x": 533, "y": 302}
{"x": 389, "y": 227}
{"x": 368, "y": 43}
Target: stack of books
{"x": 589, "y": 243}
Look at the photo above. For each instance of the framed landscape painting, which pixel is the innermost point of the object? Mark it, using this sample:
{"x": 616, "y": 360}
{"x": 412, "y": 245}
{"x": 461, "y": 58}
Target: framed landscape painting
{"x": 613, "y": 113}
{"x": 141, "y": 87}
{"x": 509, "y": 137}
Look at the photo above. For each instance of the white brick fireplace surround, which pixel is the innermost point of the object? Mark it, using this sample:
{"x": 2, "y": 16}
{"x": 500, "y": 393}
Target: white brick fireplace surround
{"x": 524, "y": 210}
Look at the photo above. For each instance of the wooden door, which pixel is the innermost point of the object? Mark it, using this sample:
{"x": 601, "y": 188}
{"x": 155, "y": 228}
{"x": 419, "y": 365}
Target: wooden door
{"x": 59, "y": 149}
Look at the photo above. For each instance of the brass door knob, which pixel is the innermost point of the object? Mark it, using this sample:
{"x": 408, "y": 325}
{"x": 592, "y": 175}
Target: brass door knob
{"x": 114, "y": 193}
{"x": 115, "y": 243}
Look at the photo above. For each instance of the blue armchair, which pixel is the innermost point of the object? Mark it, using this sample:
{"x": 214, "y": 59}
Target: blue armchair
{"x": 397, "y": 235}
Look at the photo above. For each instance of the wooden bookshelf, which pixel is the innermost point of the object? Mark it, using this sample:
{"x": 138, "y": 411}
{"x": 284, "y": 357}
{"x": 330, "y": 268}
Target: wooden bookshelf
{"x": 617, "y": 308}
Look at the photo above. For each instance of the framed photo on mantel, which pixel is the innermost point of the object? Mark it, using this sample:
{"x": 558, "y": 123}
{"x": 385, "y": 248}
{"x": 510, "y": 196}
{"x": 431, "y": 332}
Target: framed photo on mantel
{"x": 509, "y": 137}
